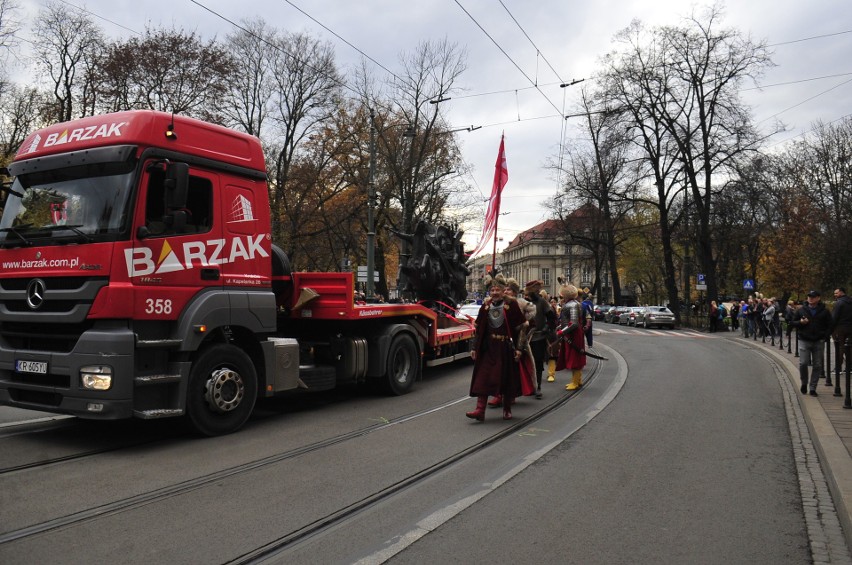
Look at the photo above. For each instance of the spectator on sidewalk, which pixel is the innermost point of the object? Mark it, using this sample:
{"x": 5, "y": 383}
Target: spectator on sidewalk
{"x": 841, "y": 325}
{"x": 769, "y": 317}
{"x": 788, "y": 317}
{"x": 813, "y": 326}
{"x": 713, "y": 317}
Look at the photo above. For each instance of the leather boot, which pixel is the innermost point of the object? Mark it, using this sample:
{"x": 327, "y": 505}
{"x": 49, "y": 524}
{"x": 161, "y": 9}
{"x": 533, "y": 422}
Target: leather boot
{"x": 479, "y": 413}
{"x": 551, "y": 370}
{"x": 496, "y": 402}
{"x": 577, "y": 380}
{"x": 507, "y": 411}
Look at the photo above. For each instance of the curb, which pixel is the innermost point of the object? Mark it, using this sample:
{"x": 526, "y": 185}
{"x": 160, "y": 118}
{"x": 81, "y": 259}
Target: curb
{"x": 835, "y": 458}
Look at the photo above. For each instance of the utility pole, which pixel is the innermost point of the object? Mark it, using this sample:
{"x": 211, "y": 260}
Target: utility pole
{"x": 371, "y": 204}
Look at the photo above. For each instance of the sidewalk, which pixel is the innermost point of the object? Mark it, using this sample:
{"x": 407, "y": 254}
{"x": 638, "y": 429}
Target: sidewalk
{"x": 830, "y": 426}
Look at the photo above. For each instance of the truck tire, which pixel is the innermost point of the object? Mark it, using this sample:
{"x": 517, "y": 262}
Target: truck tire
{"x": 222, "y": 390}
{"x": 403, "y": 365}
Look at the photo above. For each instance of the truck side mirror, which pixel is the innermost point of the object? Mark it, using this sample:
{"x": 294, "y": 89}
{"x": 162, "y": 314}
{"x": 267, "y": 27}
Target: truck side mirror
{"x": 176, "y": 185}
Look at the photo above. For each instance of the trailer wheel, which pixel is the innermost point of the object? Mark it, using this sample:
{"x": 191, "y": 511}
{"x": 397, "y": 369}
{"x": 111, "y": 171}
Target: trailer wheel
{"x": 222, "y": 390}
{"x": 403, "y": 365}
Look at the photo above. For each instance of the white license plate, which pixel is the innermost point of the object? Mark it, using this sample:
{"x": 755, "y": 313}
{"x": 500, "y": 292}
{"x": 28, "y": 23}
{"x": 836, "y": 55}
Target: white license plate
{"x": 39, "y": 367}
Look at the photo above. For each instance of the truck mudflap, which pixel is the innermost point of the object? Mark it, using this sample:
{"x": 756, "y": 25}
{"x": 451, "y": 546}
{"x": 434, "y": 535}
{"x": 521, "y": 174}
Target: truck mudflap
{"x": 51, "y": 381}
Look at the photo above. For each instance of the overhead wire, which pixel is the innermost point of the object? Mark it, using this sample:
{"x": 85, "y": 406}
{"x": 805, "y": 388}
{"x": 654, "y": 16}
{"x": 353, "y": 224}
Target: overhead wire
{"x": 499, "y": 47}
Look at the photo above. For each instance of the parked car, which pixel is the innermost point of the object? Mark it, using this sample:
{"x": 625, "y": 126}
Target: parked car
{"x": 468, "y": 311}
{"x": 659, "y": 316}
{"x": 611, "y": 316}
{"x": 637, "y": 313}
{"x": 624, "y": 316}
{"x": 600, "y": 312}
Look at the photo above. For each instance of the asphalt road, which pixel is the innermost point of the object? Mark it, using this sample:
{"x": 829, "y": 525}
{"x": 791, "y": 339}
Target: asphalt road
{"x": 691, "y": 463}
{"x": 678, "y": 450}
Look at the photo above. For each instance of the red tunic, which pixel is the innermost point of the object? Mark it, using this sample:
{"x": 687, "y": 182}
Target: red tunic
{"x": 495, "y": 370}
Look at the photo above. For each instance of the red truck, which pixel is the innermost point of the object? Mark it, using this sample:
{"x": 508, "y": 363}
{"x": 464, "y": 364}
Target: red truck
{"x": 139, "y": 279}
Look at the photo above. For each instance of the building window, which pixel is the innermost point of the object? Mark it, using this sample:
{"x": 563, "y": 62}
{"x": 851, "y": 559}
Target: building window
{"x": 545, "y": 249}
{"x": 545, "y": 277}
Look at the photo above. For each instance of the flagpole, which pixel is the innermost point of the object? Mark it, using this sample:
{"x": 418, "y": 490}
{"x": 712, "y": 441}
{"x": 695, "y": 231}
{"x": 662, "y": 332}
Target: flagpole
{"x": 494, "y": 252}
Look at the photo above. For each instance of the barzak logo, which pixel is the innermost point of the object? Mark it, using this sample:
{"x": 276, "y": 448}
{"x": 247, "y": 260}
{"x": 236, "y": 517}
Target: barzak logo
{"x": 140, "y": 260}
{"x": 85, "y": 133}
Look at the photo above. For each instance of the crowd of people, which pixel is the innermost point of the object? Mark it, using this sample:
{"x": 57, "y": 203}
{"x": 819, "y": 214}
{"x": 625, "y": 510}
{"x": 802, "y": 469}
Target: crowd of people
{"x": 520, "y": 336}
{"x": 814, "y": 324}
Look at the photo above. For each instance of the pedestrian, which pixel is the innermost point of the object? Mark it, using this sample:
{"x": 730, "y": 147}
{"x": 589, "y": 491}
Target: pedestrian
{"x": 589, "y": 314}
{"x": 788, "y": 317}
{"x": 543, "y": 326}
{"x": 495, "y": 353}
{"x": 752, "y": 316}
{"x": 813, "y": 326}
{"x": 743, "y": 315}
{"x": 572, "y": 351}
{"x": 735, "y": 316}
{"x": 769, "y": 317}
{"x": 712, "y": 316}
{"x": 841, "y": 325}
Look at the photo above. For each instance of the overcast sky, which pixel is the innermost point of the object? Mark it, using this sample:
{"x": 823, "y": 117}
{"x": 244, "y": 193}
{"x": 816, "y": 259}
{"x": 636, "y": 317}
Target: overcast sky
{"x": 568, "y": 35}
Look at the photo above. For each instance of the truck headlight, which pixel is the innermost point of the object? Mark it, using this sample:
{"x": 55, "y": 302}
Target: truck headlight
{"x": 96, "y": 377}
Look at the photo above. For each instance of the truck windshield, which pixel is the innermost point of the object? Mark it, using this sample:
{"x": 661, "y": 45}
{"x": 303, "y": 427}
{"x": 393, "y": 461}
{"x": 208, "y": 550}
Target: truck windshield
{"x": 75, "y": 204}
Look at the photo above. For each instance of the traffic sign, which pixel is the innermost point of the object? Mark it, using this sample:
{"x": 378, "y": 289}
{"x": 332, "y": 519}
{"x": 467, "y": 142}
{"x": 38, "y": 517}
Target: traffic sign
{"x": 701, "y": 279}
{"x": 748, "y": 284}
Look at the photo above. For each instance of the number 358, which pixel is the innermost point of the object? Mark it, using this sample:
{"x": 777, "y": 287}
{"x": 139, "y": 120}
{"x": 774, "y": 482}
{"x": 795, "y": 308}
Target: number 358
{"x": 158, "y": 306}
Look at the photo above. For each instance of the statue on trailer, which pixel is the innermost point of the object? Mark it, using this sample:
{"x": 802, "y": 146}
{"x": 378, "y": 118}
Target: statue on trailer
{"x": 435, "y": 271}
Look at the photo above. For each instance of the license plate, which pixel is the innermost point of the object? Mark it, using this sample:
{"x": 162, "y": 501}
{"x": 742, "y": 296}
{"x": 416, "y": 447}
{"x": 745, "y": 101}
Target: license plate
{"x": 39, "y": 367}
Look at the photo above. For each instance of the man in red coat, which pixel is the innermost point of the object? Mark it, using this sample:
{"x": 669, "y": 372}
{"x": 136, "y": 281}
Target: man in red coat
{"x": 572, "y": 353}
{"x": 496, "y": 350}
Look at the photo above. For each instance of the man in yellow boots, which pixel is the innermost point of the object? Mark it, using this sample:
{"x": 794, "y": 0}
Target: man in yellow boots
{"x": 572, "y": 352}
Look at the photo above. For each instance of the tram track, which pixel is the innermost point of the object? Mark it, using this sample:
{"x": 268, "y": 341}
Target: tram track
{"x": 332, "y": 519}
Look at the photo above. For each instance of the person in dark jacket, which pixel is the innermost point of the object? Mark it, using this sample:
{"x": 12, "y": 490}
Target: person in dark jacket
{"x": 813, "y": 326}
{"x": 841, "y": 325}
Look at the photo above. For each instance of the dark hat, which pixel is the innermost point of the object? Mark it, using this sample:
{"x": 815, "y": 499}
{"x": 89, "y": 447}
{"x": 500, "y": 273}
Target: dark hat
{"x": 813, "y": 293}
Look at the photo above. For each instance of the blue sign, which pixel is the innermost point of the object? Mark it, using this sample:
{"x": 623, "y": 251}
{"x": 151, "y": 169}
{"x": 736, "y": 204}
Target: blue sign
{"x": 700, "y": 278}
{"x": 748, "y": 284}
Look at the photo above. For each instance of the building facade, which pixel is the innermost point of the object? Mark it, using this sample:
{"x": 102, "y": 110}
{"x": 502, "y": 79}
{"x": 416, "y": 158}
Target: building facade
{"x": 543, "y": 252}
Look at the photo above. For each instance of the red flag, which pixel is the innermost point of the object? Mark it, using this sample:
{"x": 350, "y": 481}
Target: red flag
{"x": 501, "y": 177}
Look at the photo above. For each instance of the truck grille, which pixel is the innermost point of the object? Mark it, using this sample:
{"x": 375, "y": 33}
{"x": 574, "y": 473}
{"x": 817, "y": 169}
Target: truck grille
{"x": 59, "y": 338}
{"x": 61, "y": 300}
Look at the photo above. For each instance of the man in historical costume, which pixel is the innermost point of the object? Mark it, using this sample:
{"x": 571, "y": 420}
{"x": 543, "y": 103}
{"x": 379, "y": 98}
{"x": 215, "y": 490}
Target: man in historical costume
{"x": 572, "y": 354}
{"x": 496, "y": 350}
{"x": 522, "y": 341}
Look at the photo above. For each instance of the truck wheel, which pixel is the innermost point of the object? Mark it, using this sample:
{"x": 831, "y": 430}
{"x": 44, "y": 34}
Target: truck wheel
{"x": 403, "y": 365}
{"x": 222, "y": 390}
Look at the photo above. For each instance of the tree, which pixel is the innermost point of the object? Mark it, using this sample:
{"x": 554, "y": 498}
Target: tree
{"x": 599, "y": 172}
{"x": 21, "y": 111}
{"x": 166, "y": 70}
{"x": 306, "y": 96}
{"x": 69, "y": 44}
{"x": 634, "y": 85}
{"x": 416, "y": 151}
{"x": 247, "y": 102}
